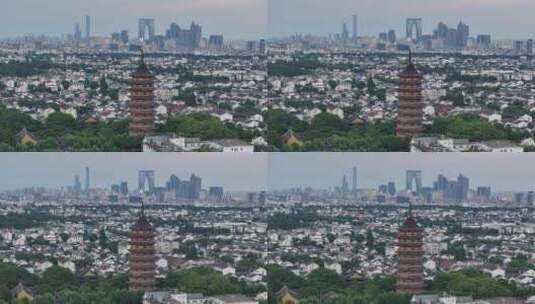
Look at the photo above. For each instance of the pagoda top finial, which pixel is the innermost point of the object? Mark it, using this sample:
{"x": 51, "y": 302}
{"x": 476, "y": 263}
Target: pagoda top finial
{"x": 410, "y": 209}
{"x": 142, "y": 56}
{"x": 410, "y": 55}
{"x": 142, "y": 208}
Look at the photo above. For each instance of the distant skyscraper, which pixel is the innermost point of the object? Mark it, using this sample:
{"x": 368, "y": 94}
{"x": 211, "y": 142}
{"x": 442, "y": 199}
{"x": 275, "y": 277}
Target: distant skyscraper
{"x": 483, "y": 41}
{"x": 124, "y": 36}
{"x": 77, "y": 33}
{"x": 195, "y": 187}
{"x": 345, "y": 186}
{"x": 88, "y": 28}
{"x": 529, "y": 47}
{"x": 142, "y": 274}
{"x": 355, "y": 28}
{"x": 463, "y": 33}
{"x": 463, "y": 185}
{"x": 410, "y": 274}
{"x": 392, "y": 36}
{"x": 531, "y": 198}
{"x": 216, "y": 41}
{"x": 409, "y": 120}
{"x": 251, "y": 46}
{"x": 77, "y": 185}
{"x": 519, "y": 46}
{"x": 87, "y": 186}
{"x": 354, "y": 184}
{"x": 414, "y": 178}
{"x": 142, "y": 108}
{"x": 196, "y": 35}
{"x": 146, "y": 180}
{"x": 392, "y": 188}
{"x": 262, "y": 46}
{"x": 146, "y": 29}
{"x": 216, "y": 192}
{"x": 484, "y": 192}
{"x": 345, "y": 33}
{"x": 123, "y": 188}
{"x": 414, "y": 26}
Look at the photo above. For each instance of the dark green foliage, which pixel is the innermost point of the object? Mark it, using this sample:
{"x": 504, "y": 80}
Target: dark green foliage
{"x": 200, "y": 125}
{"x": 472, "y": 127}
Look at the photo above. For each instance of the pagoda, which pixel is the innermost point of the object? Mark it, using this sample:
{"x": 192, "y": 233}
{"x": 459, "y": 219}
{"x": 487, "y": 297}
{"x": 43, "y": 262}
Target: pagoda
{"x": 142, "y": 255}
{"x": 410, "y": 252}
{"x": 409, "y": 120}
{"x": 142, "y": 101}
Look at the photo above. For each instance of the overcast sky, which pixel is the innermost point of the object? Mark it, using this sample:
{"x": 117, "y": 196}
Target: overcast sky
{"x": 502, "y": 171}
{"x": 236, "y": 19}
{"x": 504, "y": 19}
{"x": 235, "y": 172}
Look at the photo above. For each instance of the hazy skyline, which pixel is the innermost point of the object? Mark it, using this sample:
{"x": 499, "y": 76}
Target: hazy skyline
{"x": 235, "y": 172}
{"x": 235, "y": 19}
{"x": 501, "y": 171}
{"x": 504, "y": 19}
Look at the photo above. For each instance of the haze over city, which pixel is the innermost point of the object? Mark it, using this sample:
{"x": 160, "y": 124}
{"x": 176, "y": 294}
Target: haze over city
{"x": 235, "y": 19}
{"x": 504, "y": 19}
{"x": 323, "y": 170}
{"x": 233, "y": 172}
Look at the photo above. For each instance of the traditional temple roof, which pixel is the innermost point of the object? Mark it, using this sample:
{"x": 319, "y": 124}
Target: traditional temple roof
{"x": 142, "y": 223}
{"x": 410, "y": 221}
{"x": 410, "y": 69}
{"x": 142, "y": 69}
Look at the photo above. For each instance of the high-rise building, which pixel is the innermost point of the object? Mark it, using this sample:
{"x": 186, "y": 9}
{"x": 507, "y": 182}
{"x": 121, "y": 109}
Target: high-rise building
{"x": 392, "y": 36}
{"x": 531, "y": 198}
{"x": 146, "y": 180}
{"x": 529, "y": 47}
{"x": 463, "y": 33}
{"x": 216, "y": 192}
{"x": 87, "y": 185}
{"x": 124, "y": 36}
{"x": 123, "y": 188}
{"x": 142, "y": 102}
{"x": 196, "y": 35}
{"x": 87, "y": 28}
{"x": 483, "y": 41}
{"x": 216, "y": 41}
{"x": 262, "y": 46}
{"x": 77, "y": 187}
{"x": 410, "y": 272}
{"x": 463, "y": 185}
{"x": 345, "y": 33}
{"x": 146, "y": 29}
{"x": 77, "y": 33}
{"x": 142, "y": 275}
{"x": 484, "y": 192}
{"x": 414, "y": 178}
{"x": 195, "y": 187}
{"x": 355, "y": 28}
{"x": 392, "y": 188}
{"x": 345, "y": 186}
{"x": 519, "y": 46}
{"x": 414, "y": 26}
{"x": 409, "y": 120}
{"x": 354, "y": 182}
{"x": 251, "y": 46}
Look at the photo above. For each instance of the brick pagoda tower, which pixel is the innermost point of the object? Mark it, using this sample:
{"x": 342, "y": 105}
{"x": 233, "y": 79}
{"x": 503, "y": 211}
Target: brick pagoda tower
{"x": 142, "y": 255}
{"x": 410, "y": 252}
{"x": 409, "y": 121}
{"x": 142, "y": 101}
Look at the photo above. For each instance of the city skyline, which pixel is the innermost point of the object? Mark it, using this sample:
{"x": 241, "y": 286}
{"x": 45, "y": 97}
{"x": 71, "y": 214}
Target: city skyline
{"x": 235, "y": 173}
{"x": 508, "y": 173}
{"x": 501, "y": 19}
{"x": 217, "y": 16}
